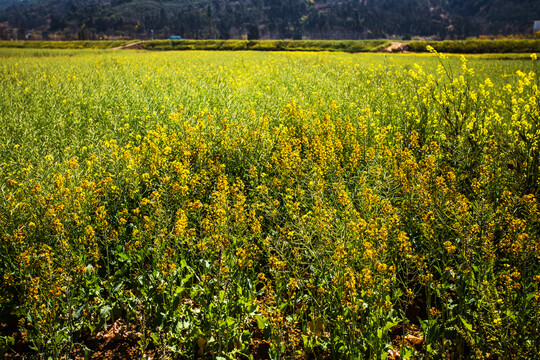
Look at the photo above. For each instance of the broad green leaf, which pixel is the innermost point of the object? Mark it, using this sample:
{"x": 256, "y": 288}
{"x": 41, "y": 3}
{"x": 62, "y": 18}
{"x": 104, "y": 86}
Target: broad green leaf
{"x": 465, "y": 323}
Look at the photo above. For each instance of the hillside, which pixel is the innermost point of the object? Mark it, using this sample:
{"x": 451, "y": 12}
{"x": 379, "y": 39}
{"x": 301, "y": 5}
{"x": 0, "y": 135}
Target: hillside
{"x": 273, "y": 19}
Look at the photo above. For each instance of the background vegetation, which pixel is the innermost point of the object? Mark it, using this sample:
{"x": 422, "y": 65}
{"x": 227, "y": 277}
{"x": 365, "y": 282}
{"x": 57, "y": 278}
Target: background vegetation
{"x": 269, "y": 45}
{"x": 63, "y": 44}
{"x": 269, "y": 19}
{"x": 479, "y": 46}
{"x": 508, "y": 46}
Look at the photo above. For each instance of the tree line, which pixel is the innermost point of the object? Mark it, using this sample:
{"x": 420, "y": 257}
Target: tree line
{"x": 271, "y": 19}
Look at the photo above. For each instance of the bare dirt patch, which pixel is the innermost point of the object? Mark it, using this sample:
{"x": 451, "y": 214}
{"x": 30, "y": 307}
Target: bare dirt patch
{"x": 399, "y": 47}
{"x": 133, "y": 46}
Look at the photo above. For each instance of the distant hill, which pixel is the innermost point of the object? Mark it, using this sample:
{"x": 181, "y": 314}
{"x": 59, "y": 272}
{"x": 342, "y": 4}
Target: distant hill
{"x": 274, "y": 19}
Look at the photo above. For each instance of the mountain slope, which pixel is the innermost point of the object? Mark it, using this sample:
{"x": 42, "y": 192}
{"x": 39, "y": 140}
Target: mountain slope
{"x": 330, "y": 19}
{"x": 6, "y": 3}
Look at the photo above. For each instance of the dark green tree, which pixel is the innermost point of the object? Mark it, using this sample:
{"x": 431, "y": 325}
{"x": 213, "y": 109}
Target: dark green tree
{"x": 253, "y": 33}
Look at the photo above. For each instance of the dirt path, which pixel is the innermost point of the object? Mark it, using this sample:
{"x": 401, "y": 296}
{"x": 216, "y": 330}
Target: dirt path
{"x": 133, "y": 46}
{"x": 396, "y": 47}
{"x": 400, "y": 47}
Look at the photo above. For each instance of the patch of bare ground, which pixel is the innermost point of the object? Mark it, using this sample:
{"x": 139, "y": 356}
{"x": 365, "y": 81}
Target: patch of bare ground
{"x": 396, "y": 47}
{"x": 405, "y": 335}
{"x": 133, "y": 46}
{"x": 119, "y": 341}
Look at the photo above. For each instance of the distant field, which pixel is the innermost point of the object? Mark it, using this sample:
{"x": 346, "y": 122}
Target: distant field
{"x": 263, "y": 45}
{"x": 283, "y": 205}
{"x": 101, "y": 44}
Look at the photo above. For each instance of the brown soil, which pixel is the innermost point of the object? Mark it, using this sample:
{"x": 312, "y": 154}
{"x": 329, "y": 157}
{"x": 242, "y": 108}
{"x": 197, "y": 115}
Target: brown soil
{"x": 119, "y": 342}
{"x": 21, "y": 347}
{"x": 405, "y": 335}
{"x": 396, "y": 47}
{"x": 133, "y": 46}
{"x": 259, "y": 347}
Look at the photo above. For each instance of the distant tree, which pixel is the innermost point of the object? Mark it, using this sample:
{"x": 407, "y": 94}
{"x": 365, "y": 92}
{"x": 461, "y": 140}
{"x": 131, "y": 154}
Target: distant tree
{"x": 322, "y": 19}
{"x": 297, "y": 34}
{"x": 209, "y": 16}
{"x": 223, "y": 28}
{"x": 163, "y": 18}
{"x": 57, "y": 23}
{"x": 253, "y": 33}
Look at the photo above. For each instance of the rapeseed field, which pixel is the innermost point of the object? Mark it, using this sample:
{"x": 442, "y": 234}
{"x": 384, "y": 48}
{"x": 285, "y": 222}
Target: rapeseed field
{"x": 244, "y": 205}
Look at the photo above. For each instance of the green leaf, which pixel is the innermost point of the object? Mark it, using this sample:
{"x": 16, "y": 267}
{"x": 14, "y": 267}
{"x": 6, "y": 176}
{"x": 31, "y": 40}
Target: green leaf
{"x": 261, "y": 322}
{"x": 105, "y": 312}
{"x": 186, "y": 278}
{"x": 58, "y": 338}
{"x": 77, "y": 314}
{"x": 390, "y": 324}
{"x": 465, "y": 323}
{"x": 10, "y": 340}
{"x": 118, "y": 286}
{"x": 510, "y": 314}
{"x": 305, "y": 340}
{"x": 87, "y": 353}
{"x": 407, "y": 352}
{"x": 181, "y": 325}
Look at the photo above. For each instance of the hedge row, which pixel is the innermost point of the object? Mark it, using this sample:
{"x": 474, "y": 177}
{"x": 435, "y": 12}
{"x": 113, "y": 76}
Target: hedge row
{"x": 101, "y": 44}
{"x": 352, "y": 46}
{"x": 478, "y": 46}
{"x": 269, "y": 45}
